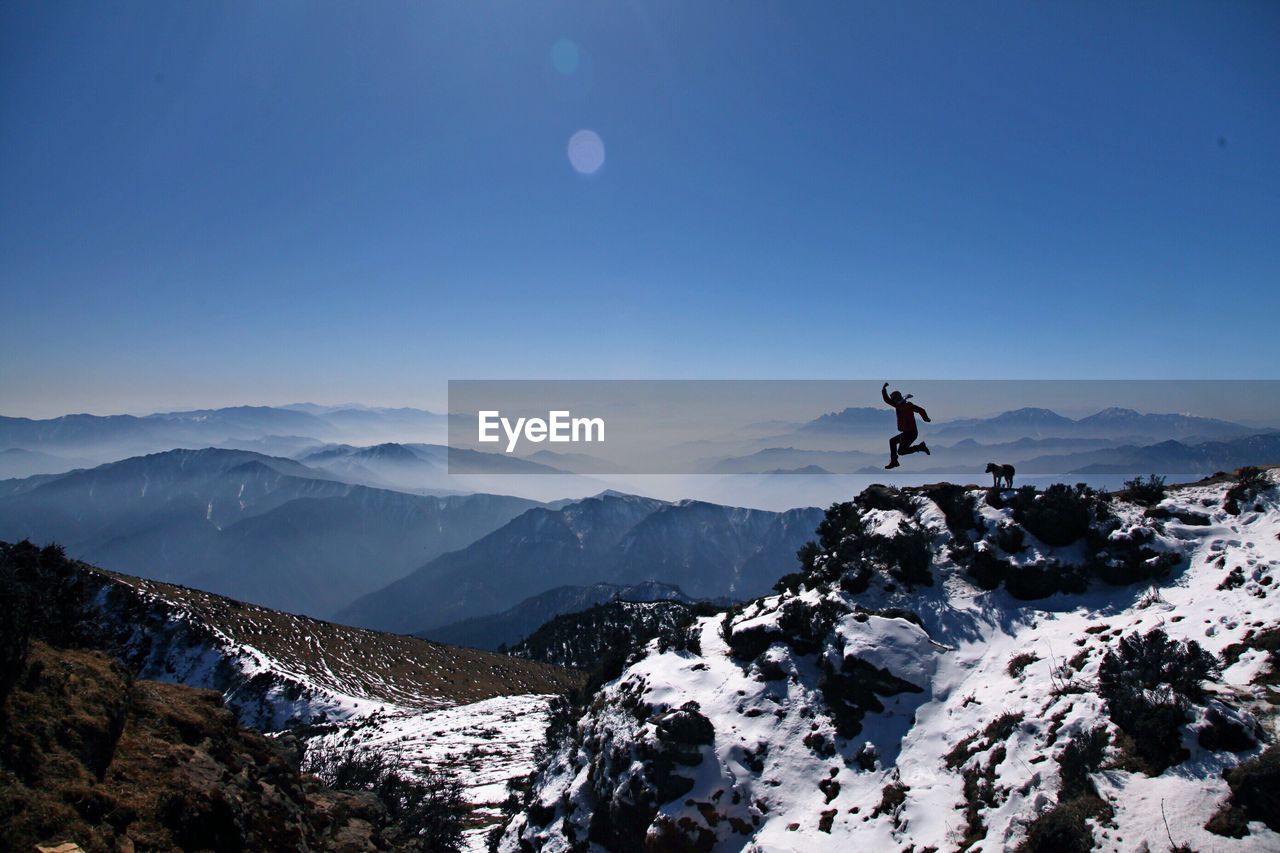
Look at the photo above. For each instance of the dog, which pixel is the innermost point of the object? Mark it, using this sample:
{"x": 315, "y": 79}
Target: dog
{"x": 999, "y": 471}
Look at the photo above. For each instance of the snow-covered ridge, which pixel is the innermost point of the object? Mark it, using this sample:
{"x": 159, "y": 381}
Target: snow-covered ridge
{"x": 279, "y": 670}
{"x": 935, "y": 678}
{"x": 478, "y": 715}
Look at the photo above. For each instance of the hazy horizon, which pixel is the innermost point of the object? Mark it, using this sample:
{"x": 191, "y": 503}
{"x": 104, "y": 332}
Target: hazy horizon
{"x": 1250, "y": 402}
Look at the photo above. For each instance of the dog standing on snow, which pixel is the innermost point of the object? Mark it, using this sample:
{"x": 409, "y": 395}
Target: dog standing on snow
{"x": 998, "y": 472}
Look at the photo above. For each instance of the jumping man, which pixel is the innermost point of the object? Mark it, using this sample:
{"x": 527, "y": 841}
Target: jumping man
{"x": 907, "y": 431}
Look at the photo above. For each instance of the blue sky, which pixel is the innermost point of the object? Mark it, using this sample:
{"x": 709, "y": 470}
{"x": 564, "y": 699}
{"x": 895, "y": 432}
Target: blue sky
{"x": 215, "y": 202}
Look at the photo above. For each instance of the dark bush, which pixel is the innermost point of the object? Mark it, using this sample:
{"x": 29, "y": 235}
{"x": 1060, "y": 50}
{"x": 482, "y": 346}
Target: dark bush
{"x": 1229, "y": 821}
{"x": 1121, "y": 560}
{"x": 853, "y": 690}
{"x": 1081, "y": 756}
{"x": 769, "y": 669}
{"x": 821, "y": 745}
{"x": 1065, "y": 827}
{"x": 1250, "y": 482}
{"x": 1255, "y": 787}
{"x": 806, "y": 626}
{"x": 610, "y": 665}
{"x": 957, "y": 506}
{"x": 824, "y": 560}
{"x": 856, "y": 580}
{"x": 1264, "y": 640}
{"x": 1192, "y": 519}
{"x": 1146, "y": 492}
{"x": 892, "y": 798}
{"x": 1221, "y": 733}
{"x": 1011, "y": 538}
{"x": 1151, "y": 662}
{"x": 791, "y": 582}
{"x": 1040, "y": 580}
{"x": 1059, "y": 516}
{"x": 428, "y": 806}
{"x": 995, "y": 732}
{"x": 892, "y": 613}
{"x": 846, "y": 554}
{"x": 1147, "y": 683}
{"x": 987, "y": 570}
{"x": 885, "y": 498}
{"x": 1019, "y": 662}
{"x": 904, "y": 557}
{"x": 1062, "y": 829}
{"x": 839, "y": 520}
{"x": 686, "y": 725}
{"x": 747, "y": 644}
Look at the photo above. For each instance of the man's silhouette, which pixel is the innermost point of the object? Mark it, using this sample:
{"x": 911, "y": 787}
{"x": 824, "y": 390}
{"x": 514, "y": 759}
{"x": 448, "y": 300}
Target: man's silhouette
{"x": 907, "y": 431}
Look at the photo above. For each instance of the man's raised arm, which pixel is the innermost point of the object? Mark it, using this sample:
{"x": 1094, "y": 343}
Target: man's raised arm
{"x": 884, "y": 393}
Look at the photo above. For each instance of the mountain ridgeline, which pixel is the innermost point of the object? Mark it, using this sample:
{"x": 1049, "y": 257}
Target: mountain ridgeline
{"x": 258, "y": 528}
{"x": 108, "y": 437}
{"x": 1052, "y": 455}
{"x": 709, "y": 551}
{"x": 297, "y": 537}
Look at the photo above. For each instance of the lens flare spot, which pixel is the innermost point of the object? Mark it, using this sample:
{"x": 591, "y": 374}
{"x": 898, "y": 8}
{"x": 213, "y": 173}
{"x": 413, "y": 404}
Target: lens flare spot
{"x": 586, "y": 152}
{"x": 565, "y": 56}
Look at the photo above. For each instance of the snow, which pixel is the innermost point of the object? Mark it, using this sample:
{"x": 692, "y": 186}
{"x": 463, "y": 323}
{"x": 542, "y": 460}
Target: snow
{"x": 485, "y": 744}
{"x": 961, "y": 660}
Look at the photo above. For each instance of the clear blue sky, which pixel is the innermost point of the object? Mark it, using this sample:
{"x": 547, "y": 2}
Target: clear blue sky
{"x": 217, "y": 202}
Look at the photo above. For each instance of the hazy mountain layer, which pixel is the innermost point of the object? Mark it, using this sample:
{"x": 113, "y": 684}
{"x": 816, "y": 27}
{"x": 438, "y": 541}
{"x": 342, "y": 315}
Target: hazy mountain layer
{"x": 260, "y": 528}
{"x": 108, "y": 437}
{"x": 709, "y": 551}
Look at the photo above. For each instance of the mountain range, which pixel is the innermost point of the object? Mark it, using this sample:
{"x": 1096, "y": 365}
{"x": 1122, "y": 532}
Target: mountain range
{"x": 1033, "y": 456}
{"x": 104, "y": 438}
{"x": 1166, "y": 457}
{"x": 1113, "y": 423}
{"x": 301, "y": 537}
{"x": 415, "y": 465}
{"x": 259, "y": 528}
{"x": 1122, "y": 425}
{"x": 708, "y": 550}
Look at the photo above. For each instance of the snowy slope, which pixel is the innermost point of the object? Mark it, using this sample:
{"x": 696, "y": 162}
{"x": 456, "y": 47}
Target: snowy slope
{"x": 477, "y": 714}
{"x": 485, "y": 744}
{"x": 875, "y": 705}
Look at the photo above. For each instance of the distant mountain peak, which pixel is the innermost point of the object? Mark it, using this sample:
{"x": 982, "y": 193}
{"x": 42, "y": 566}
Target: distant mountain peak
{"x": 1117, "y": 412}
{"x": 614, "y": 494}
{"x": 1034, "y": 411}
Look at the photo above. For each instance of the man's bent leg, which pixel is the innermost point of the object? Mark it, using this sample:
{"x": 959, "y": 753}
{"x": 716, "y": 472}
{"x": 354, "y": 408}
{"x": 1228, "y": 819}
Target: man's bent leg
{"x": 905, "y": 443}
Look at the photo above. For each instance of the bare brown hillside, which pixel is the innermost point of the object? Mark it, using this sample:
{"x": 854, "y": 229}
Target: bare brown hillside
{"x": 393, "y": 668}
{"x": 90, "y": 756}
